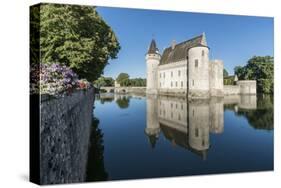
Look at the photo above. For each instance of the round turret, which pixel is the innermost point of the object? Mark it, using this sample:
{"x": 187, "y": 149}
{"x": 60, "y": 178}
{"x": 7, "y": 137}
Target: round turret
{"x": 152, "y": 61}
{"x": 198, "y": 69}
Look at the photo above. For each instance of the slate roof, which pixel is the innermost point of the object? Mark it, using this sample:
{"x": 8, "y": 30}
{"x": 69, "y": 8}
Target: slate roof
{"x": 180, "y": 50}
{"x": 153, "y": 48}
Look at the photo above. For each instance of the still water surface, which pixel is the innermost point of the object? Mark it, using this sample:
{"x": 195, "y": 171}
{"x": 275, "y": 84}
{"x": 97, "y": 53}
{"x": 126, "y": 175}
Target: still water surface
{"x": 154, "y": 136}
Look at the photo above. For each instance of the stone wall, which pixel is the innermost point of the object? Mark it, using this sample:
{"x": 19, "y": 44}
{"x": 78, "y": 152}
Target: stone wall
{"x": 244, "y": 87}
{"x": 64, "y": 137}
{"x": 231, "y": 90}
{"x": 130, "y": 90}
{"x": 247, "y": 86}
{"x": 216, "y": 78}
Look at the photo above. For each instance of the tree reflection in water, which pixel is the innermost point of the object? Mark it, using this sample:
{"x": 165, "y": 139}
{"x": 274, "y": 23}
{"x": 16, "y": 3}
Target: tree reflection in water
{"x": 123, "y": 101}
{"x": 262, "y": 117}
{"x": 95, "y": 167}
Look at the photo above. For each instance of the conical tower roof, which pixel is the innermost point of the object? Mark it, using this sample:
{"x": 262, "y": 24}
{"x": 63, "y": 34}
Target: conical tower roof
{"x": 153, "y": 48}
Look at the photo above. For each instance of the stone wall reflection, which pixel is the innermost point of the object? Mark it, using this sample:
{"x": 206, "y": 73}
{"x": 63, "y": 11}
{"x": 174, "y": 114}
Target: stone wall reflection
{"x": 188, "y": 124}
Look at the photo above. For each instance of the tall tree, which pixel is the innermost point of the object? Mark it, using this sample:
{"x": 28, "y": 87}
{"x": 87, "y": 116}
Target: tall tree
{"x": 258, "y": 68}
{"x": 77, "y": 37}
{"x": 122, "y": 77}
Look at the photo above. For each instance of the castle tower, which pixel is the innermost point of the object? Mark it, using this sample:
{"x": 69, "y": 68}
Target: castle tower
{"x": 199, "y": 113}
{"x": 198, "y": 70}
{"x": 216, "y": 78}
{"x": 152, "y": 129}
{"x": 152, "y": 61}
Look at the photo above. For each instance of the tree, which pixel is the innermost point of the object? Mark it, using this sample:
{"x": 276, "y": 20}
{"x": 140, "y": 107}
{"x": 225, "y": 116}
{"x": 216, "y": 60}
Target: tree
{"x": 258, "y": 68}
{"x": 109, "y": 81}
{"x": 104, "y": 82}
{"x": 225, "y": 73}
{"x": 75, "y": 36}
{"x": 100, "y": 82}
{"x": 122, "y": 77}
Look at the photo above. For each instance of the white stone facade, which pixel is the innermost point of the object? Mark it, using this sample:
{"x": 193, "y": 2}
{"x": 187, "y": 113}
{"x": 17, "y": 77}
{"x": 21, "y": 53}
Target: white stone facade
{"x": 185, "y": 69}
{"x": 188, "y": 72}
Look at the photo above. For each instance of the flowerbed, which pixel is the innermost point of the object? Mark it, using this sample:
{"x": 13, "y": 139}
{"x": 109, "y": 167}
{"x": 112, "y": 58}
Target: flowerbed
{"x": 55, "y": 79}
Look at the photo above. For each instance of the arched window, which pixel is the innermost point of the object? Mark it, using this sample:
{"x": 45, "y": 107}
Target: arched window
{"x": 203, "y": 53}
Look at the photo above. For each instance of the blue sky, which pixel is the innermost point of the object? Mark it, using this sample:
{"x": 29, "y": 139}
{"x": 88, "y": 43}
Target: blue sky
{"x": 234, "y": 39}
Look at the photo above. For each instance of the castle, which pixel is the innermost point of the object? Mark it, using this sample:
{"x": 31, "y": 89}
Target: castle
{"x": 185, "y": 69}
{"x": 188, "y": 124}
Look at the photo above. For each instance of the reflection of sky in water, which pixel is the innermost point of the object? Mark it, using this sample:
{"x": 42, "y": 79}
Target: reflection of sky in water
{"x": 140, "y": 143}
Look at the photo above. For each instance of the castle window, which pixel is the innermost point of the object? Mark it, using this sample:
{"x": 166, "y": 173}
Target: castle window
{"x": 171, "y": 73}
{"x": 176, "y": 106}
{"x": 176, "y": 84}
{"x": 160, "y": 84}
{"x": 179, "y": 73}
{"x": 179, "y": 117}
{"x": 203, "y": 142}
{"x": 196, "y": 63}
{"x": 171, "y": 84}
{"x": 181, "y": 106}
{"x": 193, "y": 82}
{"x": 181, "y": 83}
{"x": 160, "y": 75}
{"x": 171, "y": 114}
{"x": 171, "y": 105}
{"x": 203, "y": 53}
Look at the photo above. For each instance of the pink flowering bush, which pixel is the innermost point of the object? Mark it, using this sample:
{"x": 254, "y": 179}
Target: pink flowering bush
{"x": 55, "y": 79}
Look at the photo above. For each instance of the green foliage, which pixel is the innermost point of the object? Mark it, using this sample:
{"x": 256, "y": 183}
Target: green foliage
{"x": 137, "y": 82}
{"x": 34, "y": 35}
{"x": 225, "y": 73}
{"x": 124, "y": 80}
{"x": 75, "y": 36}
{"x": 228, "y": 80}
{"x": 104, "y": 82}
{"x": 122, "y": 77}
{"x": 258, "y": 68}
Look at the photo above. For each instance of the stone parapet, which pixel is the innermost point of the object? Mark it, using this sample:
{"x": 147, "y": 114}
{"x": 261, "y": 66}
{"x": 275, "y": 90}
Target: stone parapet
{"x": 65, "y": 123}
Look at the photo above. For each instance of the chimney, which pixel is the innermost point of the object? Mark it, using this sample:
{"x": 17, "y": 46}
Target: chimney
{"x": 173, "y": 44}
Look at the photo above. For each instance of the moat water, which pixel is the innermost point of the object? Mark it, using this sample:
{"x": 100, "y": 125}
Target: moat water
{"x": 152, "y": 136}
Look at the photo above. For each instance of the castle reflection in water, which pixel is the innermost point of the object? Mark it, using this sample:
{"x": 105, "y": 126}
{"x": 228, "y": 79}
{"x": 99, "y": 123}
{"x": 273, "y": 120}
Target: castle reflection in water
{"x": 188, "y": 124}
